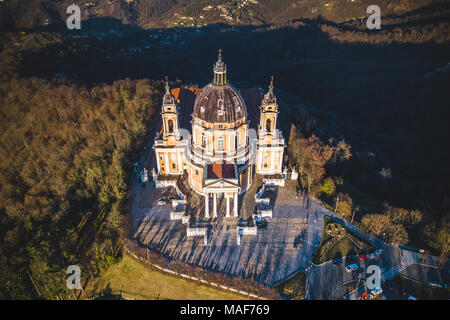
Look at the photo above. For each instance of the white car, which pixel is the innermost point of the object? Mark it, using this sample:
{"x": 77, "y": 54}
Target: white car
{"x": 435, "y": 284}
{"x": 161, "y": 202}
{"x": 351, "y": 267}
{"x": 412, "y": 298}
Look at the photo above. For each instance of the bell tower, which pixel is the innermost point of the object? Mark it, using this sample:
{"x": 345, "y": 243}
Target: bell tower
{"x": 169, "y": 115}
{"x": 269, "y": 114}
{"x": 270, "y": 140}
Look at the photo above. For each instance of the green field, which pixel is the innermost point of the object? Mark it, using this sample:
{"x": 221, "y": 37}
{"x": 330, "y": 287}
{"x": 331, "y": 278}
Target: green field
{"x": 294, "y": 287}
{"x": 138, "y": 281}
{"x": 340, "y": 247}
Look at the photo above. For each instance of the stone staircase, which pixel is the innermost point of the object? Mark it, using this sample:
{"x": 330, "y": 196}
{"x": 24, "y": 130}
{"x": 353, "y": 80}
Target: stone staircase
{"x": 194, "y": 202}
{"x": 393, "y": 272}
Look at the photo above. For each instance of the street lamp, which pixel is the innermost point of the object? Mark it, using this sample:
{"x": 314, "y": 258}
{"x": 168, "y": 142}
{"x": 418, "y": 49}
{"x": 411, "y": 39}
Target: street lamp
{"x": 337, "y": 201}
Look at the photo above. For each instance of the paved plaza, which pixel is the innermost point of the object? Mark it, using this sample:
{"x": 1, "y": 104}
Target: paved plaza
{"x": 283, "y": 248}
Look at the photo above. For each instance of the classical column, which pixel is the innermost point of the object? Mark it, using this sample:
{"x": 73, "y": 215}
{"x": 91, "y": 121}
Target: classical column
{"x": 228, "y": 206}
{"x": 235, "y": 202}
{"x": 272, "y": 165}
{"x": 166, "y": 163}
{"x": 215, "y": 204}
{"x": 206, "y": 205}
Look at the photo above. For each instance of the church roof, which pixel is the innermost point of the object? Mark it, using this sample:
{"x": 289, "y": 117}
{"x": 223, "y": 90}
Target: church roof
{"x": 219, "y": 104}
{"x": 220, "y": 170}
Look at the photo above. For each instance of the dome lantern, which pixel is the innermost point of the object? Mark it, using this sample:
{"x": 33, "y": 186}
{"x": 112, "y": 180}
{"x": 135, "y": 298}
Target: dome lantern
{"x": 220, "y": 71}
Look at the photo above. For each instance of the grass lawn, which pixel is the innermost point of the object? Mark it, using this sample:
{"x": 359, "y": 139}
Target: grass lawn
{"x": 138, "y": 281}
{"x": 294, "y": 287}
{"x": 340, "y": 248}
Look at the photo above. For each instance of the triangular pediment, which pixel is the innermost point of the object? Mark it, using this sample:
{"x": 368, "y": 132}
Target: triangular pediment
{"x": 220, "y": 183}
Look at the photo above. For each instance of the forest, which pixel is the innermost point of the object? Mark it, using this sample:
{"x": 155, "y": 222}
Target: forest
{"x": 65, "y": 153}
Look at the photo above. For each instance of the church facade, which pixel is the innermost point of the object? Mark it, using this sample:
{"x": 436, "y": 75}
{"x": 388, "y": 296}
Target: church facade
{"x": 220, "y": 154}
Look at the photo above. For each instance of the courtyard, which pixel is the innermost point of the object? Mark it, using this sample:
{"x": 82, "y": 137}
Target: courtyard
{"x": 282, "y": 248}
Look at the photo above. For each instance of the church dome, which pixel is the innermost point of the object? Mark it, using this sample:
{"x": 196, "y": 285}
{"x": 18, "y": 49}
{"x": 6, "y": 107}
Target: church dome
{"x": 218, "y": 102}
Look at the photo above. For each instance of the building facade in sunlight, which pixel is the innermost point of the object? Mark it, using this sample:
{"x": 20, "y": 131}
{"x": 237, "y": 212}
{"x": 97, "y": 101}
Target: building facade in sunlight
{"x": 219, "y": 155}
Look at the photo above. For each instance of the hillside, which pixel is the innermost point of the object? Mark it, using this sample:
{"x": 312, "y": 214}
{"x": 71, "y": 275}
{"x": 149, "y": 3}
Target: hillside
{"x": 194, "y": 13}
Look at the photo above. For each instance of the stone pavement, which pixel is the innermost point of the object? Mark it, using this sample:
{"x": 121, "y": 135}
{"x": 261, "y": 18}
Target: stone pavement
{"x": 284, "y": 247}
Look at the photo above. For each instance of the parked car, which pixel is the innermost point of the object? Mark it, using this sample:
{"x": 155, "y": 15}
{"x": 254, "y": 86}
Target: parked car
{"x": 363, "y": 257}
{"x": 362, "y": 296}
{"x": 351, "y": 267}
{"x": 379, "y": 252}
{"x": 262, "y": 225}
{"x": 376, "y": 292}
{"x": 161, "y": 202}
{"x": 337, "y": 261}
{"x": 435, "y": 284}
{"x": 412, "y": 298}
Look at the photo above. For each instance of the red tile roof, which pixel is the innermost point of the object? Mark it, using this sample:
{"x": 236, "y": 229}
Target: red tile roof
{"x": 219, "y": 170}
{"x": 176, "y": 92}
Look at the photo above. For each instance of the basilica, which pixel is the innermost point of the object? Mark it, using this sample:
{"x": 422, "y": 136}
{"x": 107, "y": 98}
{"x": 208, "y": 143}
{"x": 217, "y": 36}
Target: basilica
{"x": 221, "y": 153}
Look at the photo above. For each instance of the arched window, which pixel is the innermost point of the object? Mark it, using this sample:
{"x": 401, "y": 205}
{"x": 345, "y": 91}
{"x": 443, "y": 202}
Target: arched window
{"x": 203, "y": 140}
{"x": 170, "y": 124}
{"x": 220, "y": 104}
{"x": 268, "y": 125}
{"x": 220, "y": 143}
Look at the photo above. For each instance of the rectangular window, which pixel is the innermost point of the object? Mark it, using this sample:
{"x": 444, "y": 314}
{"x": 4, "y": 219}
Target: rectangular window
{"x": 203, "y": 141}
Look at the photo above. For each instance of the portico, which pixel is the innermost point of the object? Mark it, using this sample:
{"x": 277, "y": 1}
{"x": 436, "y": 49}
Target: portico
{"x": 222, "y": 189}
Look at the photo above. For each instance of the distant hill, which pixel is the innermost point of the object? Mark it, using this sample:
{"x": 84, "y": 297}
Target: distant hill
{"x": 17, "y": 14}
